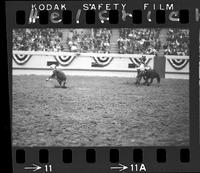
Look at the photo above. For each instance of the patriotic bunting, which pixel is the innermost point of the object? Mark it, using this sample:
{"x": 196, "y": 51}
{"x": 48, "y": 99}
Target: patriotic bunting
{"x": 21, "y": 59}
{"x": 103, "y": 61}
{"x": 136, "y": 61}
{"x": 64, "y": 60}
{"x": 178, "y": 64}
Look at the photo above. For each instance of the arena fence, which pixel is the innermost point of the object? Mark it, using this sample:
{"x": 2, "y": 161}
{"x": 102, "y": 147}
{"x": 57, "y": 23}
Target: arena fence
{"x": 97, "y": 64}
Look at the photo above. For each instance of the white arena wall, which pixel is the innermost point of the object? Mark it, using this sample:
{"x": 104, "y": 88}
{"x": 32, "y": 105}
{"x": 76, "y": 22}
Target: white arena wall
{"x": 116, "y": 65}
{"x": 80, "y": 66}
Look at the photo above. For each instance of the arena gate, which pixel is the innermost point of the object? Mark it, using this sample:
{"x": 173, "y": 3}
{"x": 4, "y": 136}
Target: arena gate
{"x": 97, "y": 64}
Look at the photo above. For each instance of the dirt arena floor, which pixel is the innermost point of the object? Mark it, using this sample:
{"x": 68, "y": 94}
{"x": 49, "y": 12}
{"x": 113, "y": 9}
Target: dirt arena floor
{"x": 99, "y": 111}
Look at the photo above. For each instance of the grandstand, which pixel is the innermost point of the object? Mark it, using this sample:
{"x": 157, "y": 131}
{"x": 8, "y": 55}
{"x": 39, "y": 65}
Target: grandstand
{"x": 125, "y": 40}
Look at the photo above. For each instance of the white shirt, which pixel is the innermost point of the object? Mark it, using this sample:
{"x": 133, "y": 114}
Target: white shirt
{"x": 141, "y": 67}
{"x": 147, "y": 67}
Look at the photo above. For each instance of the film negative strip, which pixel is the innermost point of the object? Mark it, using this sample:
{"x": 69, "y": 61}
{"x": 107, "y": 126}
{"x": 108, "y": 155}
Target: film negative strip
{"x": 103, "y": 86}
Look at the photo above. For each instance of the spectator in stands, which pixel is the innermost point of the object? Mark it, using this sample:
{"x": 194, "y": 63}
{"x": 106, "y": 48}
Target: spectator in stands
{"x": 137, "y": 41}
{"x": 100, "y": 42}
{"x": 177, "y": 42}
{"x": 37, "y": 39}
{"x": 141, "y": 41}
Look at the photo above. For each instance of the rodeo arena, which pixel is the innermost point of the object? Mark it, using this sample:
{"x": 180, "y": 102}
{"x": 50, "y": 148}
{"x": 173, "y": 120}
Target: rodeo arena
{"x": 100, "y": 87}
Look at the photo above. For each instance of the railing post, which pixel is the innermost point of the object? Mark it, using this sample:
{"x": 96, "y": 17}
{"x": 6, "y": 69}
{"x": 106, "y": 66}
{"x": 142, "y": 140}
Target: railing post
{"x": 159, "y": 64}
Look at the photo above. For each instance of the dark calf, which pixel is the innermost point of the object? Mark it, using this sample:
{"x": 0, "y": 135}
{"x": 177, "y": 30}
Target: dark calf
{"x": 151, "y": 74}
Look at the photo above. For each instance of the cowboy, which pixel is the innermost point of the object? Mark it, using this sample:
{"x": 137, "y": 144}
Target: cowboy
{"x": 141, "y": 70}
{"x": 58, "y": 75}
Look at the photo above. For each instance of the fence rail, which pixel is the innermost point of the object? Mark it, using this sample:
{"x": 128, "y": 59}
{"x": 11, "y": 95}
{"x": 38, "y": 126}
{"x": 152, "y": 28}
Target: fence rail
{"x": 169, "y": 66}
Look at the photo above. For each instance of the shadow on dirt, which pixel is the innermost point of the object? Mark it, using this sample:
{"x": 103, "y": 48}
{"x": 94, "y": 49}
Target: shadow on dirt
{"x": 58, "y": 86}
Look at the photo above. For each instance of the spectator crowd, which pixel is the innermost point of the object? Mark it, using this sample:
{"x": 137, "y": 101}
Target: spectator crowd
{"x": 145, "y": 41}
{"x": 140, "y": 41}
{"x": 98, "y": 41}
{"x": 37, "y": 39}
{"x": 177, "y": 42}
